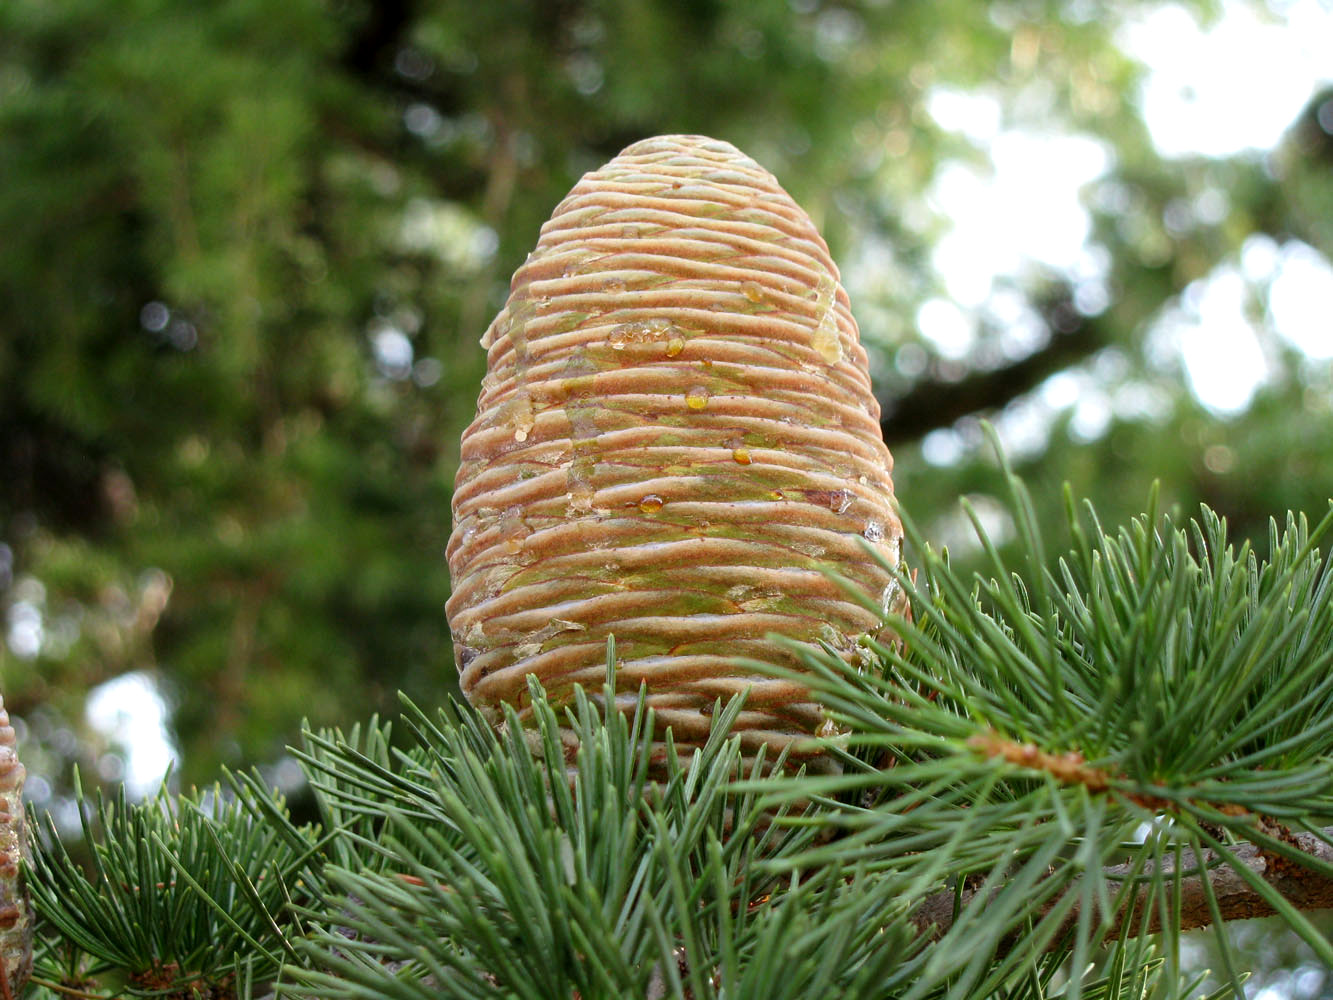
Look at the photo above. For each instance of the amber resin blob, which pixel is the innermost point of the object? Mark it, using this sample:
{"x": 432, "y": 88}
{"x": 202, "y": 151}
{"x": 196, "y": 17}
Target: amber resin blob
{"x": 675, "y": 441}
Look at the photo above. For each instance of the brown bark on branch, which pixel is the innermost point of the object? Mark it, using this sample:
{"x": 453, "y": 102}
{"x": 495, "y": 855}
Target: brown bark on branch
{"x": 931, "y": 404}
{"x": 1236, "y": 898}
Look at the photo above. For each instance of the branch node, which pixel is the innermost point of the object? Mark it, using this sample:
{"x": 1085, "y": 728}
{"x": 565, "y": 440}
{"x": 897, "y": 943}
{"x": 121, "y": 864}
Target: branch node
{"x": 1069, "y": 767}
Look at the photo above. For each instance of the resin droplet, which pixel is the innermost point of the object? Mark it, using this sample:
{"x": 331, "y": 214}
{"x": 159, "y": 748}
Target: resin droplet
{"x": 696, "y": 398}
{"x": 828, "y": 729}
{"x": 674, "y": 346}
{"x": 650, "y": 504}
{"x": 522, "y": 417}
{"x": 826, "y": 341}
{"x": 741, "y": 455}
{"x": 581, "y": 495}
{"x": 639, "y": 332}
{"x": 874, "y": 532}
{"x": 752, "y": 291}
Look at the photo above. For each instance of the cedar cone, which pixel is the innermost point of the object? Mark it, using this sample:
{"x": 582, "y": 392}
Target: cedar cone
{"x": 15, "y": 915}
{"x": 675, "y": 442}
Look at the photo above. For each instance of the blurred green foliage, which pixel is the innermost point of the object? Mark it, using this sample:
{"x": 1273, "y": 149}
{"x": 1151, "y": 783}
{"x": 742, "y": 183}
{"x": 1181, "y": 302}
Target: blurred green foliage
{"x": 249, "y": 248}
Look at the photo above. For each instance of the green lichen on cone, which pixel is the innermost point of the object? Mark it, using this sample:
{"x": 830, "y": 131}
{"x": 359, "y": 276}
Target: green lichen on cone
{"x": 675, "y": 443}
{"x": 15, "y": 915}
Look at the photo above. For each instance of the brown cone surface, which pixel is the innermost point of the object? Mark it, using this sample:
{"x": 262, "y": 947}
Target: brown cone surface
{"x": 675, "y": 439}
{"x": 15, "y": 917}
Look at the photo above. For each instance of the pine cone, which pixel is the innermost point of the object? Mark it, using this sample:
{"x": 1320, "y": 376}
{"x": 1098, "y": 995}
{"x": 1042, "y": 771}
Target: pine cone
{"x": 15, "y": 915}
{"x": 675, "y": 439}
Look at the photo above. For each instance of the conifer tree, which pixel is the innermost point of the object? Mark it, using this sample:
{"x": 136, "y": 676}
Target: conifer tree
{"x": 243, "y": 212}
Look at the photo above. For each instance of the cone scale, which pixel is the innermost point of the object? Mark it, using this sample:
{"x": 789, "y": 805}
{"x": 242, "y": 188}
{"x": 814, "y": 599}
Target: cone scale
{"x": 15, "y": 916}
{"x": 675, "y": 442}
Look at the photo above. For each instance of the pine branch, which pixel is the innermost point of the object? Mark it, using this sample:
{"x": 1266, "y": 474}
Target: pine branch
{"x": 1237, "y": 899}
{"x": 985, "y": 830}
{"x": 184, "y": 897}
{"x": 1029, "y": 723}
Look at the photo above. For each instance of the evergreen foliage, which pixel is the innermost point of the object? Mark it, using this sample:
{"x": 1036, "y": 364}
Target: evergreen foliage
{"x": 1038, "y": 781}
{"x": 190, "y": 893}
{"x": 219, "y": 217}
